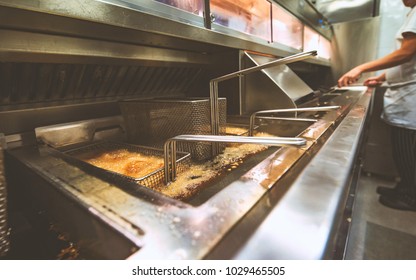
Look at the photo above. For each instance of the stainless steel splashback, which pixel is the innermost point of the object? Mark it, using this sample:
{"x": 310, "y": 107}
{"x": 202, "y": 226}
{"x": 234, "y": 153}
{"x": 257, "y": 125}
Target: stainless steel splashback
{"x": 272, "y": 88}
{"x": 283, "y": 77}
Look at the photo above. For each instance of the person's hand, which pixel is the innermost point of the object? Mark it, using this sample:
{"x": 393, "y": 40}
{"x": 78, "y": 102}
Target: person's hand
{"x": 373, "y": 82}
{"x": 350, "y": 77}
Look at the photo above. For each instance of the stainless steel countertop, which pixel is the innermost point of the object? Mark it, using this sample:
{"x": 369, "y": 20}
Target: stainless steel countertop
{"x": 302, "y": 223}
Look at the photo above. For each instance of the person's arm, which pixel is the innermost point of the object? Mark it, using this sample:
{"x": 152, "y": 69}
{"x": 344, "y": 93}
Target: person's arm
{"x": 404, "y": 54}
{"x": 375, "y": 81}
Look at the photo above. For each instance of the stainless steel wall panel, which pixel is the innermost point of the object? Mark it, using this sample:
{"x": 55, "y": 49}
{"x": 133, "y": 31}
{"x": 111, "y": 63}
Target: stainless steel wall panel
{"x": 354, "y": 43}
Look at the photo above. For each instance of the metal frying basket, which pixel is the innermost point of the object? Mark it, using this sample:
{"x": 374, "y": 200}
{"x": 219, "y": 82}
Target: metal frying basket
{"x": 152, "y": 180}
{"x": 152, "y": 122}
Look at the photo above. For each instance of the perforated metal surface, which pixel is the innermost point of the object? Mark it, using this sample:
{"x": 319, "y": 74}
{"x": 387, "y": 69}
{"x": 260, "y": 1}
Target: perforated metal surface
{"x": 4, "y": 228}
{"x": 31, "y": 83}
{"x": 152, "y": 122}
{"x": 152, "y": 180}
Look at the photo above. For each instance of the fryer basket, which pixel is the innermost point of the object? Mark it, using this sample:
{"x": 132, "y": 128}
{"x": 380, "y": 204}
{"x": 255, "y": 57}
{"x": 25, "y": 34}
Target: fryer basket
{"x": 152, "y": 180}
{"x": 152, "y": 122}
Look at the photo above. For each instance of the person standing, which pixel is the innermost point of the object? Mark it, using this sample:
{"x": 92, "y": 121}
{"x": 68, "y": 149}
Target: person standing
{"x": 399, "y": 109}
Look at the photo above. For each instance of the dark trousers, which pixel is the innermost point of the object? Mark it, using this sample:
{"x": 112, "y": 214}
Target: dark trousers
{"x": 404, "y": 154}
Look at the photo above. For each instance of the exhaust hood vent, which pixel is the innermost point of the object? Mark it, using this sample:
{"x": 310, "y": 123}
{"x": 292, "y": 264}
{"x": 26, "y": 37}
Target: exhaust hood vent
{"x": 347, "y": 10}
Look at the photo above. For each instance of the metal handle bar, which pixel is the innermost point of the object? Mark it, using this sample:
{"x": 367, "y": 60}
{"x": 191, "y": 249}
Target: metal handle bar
{"x": 170, "y": 146}
{"x": 213, "y": 85}
{"x": 309, "y": 109}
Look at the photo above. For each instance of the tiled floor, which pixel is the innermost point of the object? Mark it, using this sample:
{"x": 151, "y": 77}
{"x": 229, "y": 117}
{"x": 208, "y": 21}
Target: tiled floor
{"x": 378, "y": 232}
